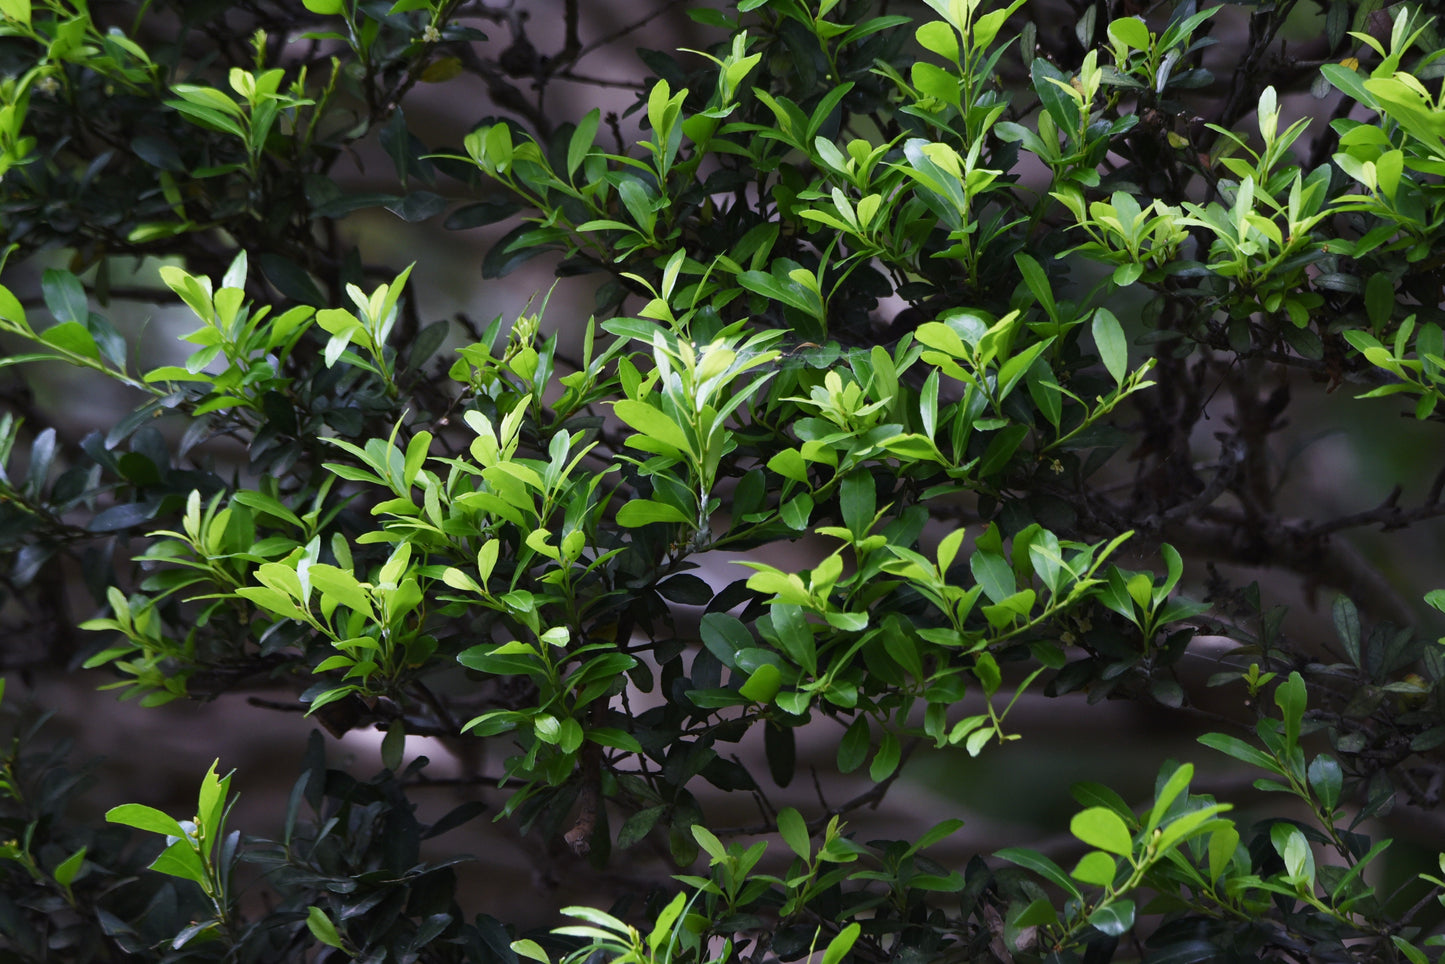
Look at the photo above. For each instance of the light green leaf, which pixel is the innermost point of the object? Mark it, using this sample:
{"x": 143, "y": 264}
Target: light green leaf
{"x": 794, "y": 831}
{"x": 839, "y": 946}
{"x": 1113, "y": 347}
{"x": 66, "y": 871}
{"x": 1103, "y": 828}
{"x": 141, "y": 817}
{"x": 641, "y": 512}
{"x": 317, "y": 922}
{"x": 1097, "y": 868}
{"x": 763, "y": 684}
{"x": 653, "y": 423}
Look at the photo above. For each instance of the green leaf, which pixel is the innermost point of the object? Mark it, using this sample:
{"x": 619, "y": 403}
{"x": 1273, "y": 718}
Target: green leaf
{"x": 840, "y": 945}
{"x": 794, "y": 831}
{"x": 853, "y": 748}
{"x": 1290, "y": 696}
{"x": 141, "y": 817}
{"x": 64, "y": 296}
{"x": 638, "y": 826}
{"x": 653, "y": 423}
{"x": 1412, "y": 953}
{"x": 1299, "y": 861}
{"x": 940, "y": 38}
{"x": 581, "y": 141}
{"x": 1347, "y": 626}
{"x": 1326, "y": 779}
{"x": 329, "y": 8}
{"x": 1103, "y": 828}
{"x": 1240, "y": 750}
{"x": 856, "y": 498}
{"x": 341, "y": 586}
{"x": 1041, "y": 865}
{"x": 885, "y": 761}
{"x": 1096, "y": 868}
{"x": 1379, "y": 300}
{"x": 1130, "y": 32}
{"x": 72, "y": 337}
{"x": 1177, "y": 783}
{"x": 763, "y": 684}
{"x": 1223, "y": 843}
{"x": 531, "y": 950}
{"x": 18, "y": 10}
{"x": 66, "y": 871}
{"x": 641, "y": 512}
{"x": 1113, "y": 346}
{"x": 317, "y": 922}
{"x": 1114, "y": 919}
{"x": 181, "y": 860}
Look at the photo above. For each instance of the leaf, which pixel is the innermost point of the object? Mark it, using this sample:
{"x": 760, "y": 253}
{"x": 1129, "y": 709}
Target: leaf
{"x": 180, "y": 860}
{"x": 856, "y": 498}
{"x": 839, "y": 946}
{"x": 638, "y": 826}
{"x": 72, "y": 337}
{"x": 418, "y": 206}
{"x": 479, "y": 214}
{"x": 64, "y": 296}
{"x": 1112, "y": 345}
{"x": 885, "y": 761}
{"x": 641, "y": 512}
{"x": 125, "y": 516}
{"x": 65, "y": 872}
{"x": 853, "y": 748}
{"x": 317, "y": 922}
{"x": 763, "y": 684}
{"x": 1041, "y": 865}
{"x": 141, "y": 817}
{"x": 1326, "y": 779}
{"x": 781, "y": 749}
{"x": 1114, "y": 919}
{"x": 581, "y": 140}
{"x": 1177, "y": 783}
{"x": 653, "y": 423}
{"x": 687, "y": 589}
{"x": 1103, "y": 828}
{"x": 1096, "y": 868}
{"x": 290, "y": 279}
{"x": 328, "y": 7}
{"x": 1347, "y": 626}
{"x": 1291, "y": 696}
{"x": 1240, "y": 750}
{"x": 794, "y": 831}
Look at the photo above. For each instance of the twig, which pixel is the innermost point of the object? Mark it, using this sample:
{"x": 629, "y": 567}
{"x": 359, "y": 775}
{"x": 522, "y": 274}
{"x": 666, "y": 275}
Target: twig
{"x": 579, "y": 838}
{"x": 623, "y": 31}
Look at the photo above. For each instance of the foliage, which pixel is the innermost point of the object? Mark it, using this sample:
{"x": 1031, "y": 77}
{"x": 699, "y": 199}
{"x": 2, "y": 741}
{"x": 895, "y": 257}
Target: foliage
{"x": 505, "y": 546}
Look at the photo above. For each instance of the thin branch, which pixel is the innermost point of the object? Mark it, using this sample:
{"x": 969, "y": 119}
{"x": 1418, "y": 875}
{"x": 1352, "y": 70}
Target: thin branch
{"x": 623, "y": 31}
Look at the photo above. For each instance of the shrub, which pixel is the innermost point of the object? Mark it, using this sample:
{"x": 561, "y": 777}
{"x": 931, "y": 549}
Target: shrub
{"x": 904, "y": 290}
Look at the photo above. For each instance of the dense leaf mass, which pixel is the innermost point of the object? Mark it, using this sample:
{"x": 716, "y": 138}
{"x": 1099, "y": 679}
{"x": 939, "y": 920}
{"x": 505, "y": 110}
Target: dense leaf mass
{"x": 933, "y": 317}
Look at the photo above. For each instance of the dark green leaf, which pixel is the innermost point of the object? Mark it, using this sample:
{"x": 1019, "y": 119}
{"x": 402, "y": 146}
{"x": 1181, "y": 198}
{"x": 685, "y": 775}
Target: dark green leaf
{"x": 479, "y": 214}
{"x": 1116, "y": 919}
{"x": 123, "y": 516}
{"x": 65, "y": 297}
{"x": 781, "y": 751}
{"x": 418, "y": 206}
{"x": 687, "y": 589}
{"x": 853, "y": 748}
{"x": 290, "y": 279}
